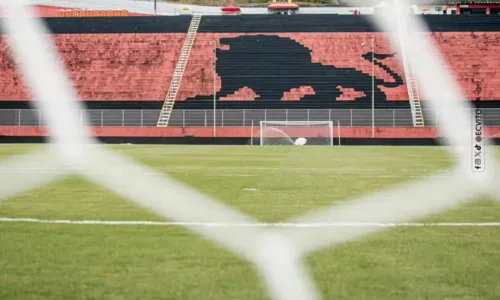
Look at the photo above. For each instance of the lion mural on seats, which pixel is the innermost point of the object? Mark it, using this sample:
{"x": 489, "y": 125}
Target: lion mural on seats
{"x": 273, "y": 65}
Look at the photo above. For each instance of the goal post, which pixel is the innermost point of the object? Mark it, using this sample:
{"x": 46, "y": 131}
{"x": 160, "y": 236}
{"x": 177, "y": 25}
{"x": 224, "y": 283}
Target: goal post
{"x": 297, "y": 133}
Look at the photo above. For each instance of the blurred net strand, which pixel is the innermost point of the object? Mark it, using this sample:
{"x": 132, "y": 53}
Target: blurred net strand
{"x": 53, "y": 93}
{"x": 83, "y": 153}
{"x": 426, "y": 196}
{"x": 32, "y": 170}
{"x": 277, "y": 254}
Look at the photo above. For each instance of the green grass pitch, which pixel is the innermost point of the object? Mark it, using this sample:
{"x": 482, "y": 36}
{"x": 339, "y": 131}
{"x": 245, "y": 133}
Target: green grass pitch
{"x": 62, "y": 261}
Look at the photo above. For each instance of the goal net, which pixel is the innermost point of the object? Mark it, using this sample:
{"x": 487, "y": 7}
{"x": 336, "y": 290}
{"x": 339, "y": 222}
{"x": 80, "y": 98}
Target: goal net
{"x": 296, "y": 133}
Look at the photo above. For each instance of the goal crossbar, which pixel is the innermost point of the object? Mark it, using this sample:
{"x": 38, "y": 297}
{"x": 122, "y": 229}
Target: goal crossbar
{"x": 329, "y": 123}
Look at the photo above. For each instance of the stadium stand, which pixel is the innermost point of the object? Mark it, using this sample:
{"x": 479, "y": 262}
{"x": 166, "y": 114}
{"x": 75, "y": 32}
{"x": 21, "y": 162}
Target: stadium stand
{"x": 302, "y": 61}
{"x": 107, "y": 66}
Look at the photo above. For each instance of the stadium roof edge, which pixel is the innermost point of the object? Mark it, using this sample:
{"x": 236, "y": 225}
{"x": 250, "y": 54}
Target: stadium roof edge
{"x": 462, "y": 2}
{"x": 421, "y": 2}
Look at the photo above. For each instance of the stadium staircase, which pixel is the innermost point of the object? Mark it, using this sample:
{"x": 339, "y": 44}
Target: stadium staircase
{"x": 411, "y": 81}
{"x": 168, "y": 105}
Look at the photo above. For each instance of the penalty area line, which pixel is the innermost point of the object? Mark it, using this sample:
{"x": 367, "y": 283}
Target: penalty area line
{"x": 215, "y": 224}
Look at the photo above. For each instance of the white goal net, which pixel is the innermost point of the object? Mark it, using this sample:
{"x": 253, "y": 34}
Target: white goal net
{"x": 296, "y": 133}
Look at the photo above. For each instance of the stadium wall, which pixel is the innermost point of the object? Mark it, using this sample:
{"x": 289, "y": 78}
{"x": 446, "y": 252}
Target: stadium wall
{"x": 238, "y": 135}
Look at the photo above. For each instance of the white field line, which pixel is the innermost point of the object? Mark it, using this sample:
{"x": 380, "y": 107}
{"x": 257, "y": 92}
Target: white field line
{"x": 283, "y": 225}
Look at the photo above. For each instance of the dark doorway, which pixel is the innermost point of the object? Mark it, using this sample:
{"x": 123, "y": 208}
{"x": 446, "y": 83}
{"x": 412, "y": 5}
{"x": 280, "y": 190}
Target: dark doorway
{"x": 473, "y": 11}
{"x": 494, "y": 11}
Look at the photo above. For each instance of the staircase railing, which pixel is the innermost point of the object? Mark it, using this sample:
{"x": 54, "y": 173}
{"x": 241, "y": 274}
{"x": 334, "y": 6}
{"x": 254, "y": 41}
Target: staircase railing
{"x": 411, "y": 80}
{"x": 175, "y": 83}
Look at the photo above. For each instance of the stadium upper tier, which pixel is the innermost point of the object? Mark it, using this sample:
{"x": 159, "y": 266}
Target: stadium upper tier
{"x": 314, "y": 61}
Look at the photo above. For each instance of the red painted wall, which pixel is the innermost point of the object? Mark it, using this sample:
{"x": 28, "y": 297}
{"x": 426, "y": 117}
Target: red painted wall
{"x": 51, "y": 11}
{"x": 345, "y": 132}
{"x": 43, "y": 11}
